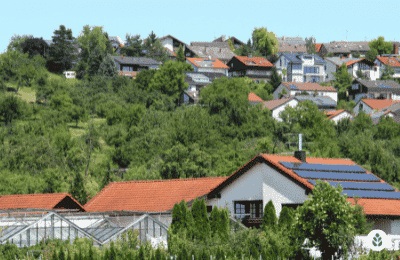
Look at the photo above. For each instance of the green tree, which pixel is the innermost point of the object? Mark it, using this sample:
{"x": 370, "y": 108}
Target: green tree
{"x": 180, "y": 55}
{"x": 214, "y": 221}
{"x": 177, "y": 219}
{"x": 227, "y": 97}
{"x": 327, "y": 220}
{"x": 107, "y": 67}
{"x": 265, "y": 42}
{"x": 381, "y": 46}
{"x": 154, "y": 49}
{"x": 202, "y": 229}
{"x": 134, "y": 47}
{"x": 62, "y": 50}
{"x": 286, "y": 218}
{"x": 269, "y": 219}
{"x": 170, "y": 79}
{"x": 343, "y": 81}
{"x": 35, "y": 46}
{"x": 16, "y": 42}
{"x": 359, "y": 74}
{"x": 310, "y": 46}
{"x": 371, "y": 55}
{"x": 276, "y": 79}
{"x": 387, "y": 73}
{"x": 11, "y": 108}
{"x": 357, "y": 55}
{"x": 77, "y": 189}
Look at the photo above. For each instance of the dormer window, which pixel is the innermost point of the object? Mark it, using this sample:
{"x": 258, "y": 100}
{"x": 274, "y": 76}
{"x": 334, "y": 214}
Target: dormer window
{"x": 307, "y": 57}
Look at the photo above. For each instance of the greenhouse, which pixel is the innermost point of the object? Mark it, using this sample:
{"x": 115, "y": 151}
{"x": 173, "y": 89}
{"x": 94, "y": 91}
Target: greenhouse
{"x": 28, "y": 229}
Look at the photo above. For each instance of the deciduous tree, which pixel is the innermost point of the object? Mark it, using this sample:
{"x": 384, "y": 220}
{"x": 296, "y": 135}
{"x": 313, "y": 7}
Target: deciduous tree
{"x": 265, "y": 42}
{"x": 381, "y": 46}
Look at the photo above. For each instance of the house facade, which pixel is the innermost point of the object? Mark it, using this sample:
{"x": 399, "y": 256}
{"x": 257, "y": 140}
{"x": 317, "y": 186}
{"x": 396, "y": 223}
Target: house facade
{"x": 338, "y": 115}
{"x": 172, "y": 43}
{"x": 215, "y": 50}
{"x": 291, "y": 89}
{"x": 301, "y": 67}
{"x": 344, "y": 48}
{"x": 133, "y": 65}
{"x": 259, "y": 69}
{"x": 370, "y": 106}
{"x": 378, "y": 89}
{"x": 369, "y": 70}
{"x": 208, "y": 65}
{"x": 391, "y": 61}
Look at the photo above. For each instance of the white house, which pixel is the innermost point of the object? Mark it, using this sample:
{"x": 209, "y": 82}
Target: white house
{"x": 301, "y": 67}
{"x": 337, "y": 115}
{"x": 368, "y": 69}
{"x": 277, "y": 106}
{"x": 172, "y": 43}
{"x": 293, "y": 88}
{"x": 208, "y": 65}
{"x": 370, "y": 106}
{"x": 390, "y": 61}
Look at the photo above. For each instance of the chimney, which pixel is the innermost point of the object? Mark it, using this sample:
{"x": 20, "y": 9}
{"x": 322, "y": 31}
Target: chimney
{"x": 300, "y": 155}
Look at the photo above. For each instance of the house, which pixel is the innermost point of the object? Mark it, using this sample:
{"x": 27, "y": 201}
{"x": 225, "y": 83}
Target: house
{"x": 298, "y": 48}
{"x": 257, "y": 68}
{"x": 370, "y": 106}
{"x": 130, "y": 66}
{"x": 344, "y": 48}
{"x": 293, "y": 88}
{"x": 49, "y": 201}
{"x": 301, "y": 67}
{"x": 208, "y": 65}
{"x": 376, "y": 116}
{"x": 378, "y": 89}
{"x": 388, "y": 60}
{"x": 172, "y": 43}
{"x": 337, "y": 115}
{"x": 396, "y": 49}
{"x": 317, "y": 47}
{"x": 254, "y": 99}
{"x": 189, "y": 97}
{"x": 116, "y": 42}
{"x": 325, "y": 104}
{"x": 235, "y": 41}
{"x": 287, "y": 180}
{"x": 369, "y": 69}
{"x": 290, "y": 40}
{"x": 215, "y": 50}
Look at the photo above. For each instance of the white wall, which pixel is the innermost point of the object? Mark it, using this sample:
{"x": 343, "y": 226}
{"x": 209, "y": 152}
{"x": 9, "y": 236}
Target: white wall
{"x": 368, "y": 110}
{"x": 332, "y": 95}
{"x": 297, "y": 78}
{"x": 276, "y": 112}
{"x": 341, "y": 116}
{"x": 261, "y": 183}
{"x": 168, "y": 43}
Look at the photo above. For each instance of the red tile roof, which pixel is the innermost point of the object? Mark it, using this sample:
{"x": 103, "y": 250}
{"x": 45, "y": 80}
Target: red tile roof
{"x": 310, "y": 86}
{"x": 150, "y": 196}
{"x": 379, "y": 206}
{"x": 317, "y": 46}
{"x": 272, "y": 104}
{"x": 393, "y": 62}
{"x": 352, "y": 62}
{"x": 379, "y": 103}
{"x": 216, "y": 62}
{"x": 259, "y": 62}
{"x": 332, "y": 114}
{"x": 254, "y": 98}
{"x": 38, "y": 201}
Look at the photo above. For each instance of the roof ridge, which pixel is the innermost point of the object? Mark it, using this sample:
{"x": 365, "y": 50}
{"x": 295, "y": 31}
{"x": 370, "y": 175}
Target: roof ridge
{"x": 167, "y": 180}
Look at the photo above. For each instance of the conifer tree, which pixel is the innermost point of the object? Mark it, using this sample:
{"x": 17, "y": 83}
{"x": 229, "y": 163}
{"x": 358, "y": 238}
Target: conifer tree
{"x": 77, "y": 189}
{"x": 61, "y": 255}
{"x": 201, "y": 222}
{"x": 224, "y": 227}
{"x": 177, "y": 219}
{"x": 55, "y": 255}
{"x": 269, "y": 217}
{"x": 285, "y": 218}
{"x": 214, "y": 221}
{"x": 180, "y": 55}
{"x": 141, "y": 253}
{"x": 187, "y": 219}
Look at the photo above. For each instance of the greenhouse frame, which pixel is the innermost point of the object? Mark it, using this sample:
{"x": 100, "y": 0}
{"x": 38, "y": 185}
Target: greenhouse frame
{"x": 28, "y": 228}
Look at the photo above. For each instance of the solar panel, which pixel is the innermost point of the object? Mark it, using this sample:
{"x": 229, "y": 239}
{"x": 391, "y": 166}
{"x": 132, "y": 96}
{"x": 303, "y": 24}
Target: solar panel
{"x": 383, "y": 86}
{"x": 323, "y": 167}
{"x": 359, "y": 185}
{"x": 293, "y": 87}
{"x": 340, "y": 176}
{"x": 372, "y": 194}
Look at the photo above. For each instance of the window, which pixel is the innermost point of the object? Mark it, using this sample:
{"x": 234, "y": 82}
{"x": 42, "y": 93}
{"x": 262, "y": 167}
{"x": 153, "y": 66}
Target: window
{"x": 280, "y": 62}
{"x": 296, "y": 67}
{"x": 325, "y": 67}
{"x": 251, "y": 208}
{"x": 314, "y": 79}
{"x": 307, "y": 57}
{"x": 314, "y": 70}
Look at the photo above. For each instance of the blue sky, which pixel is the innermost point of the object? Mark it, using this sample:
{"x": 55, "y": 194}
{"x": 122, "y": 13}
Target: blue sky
{"x": 205, "y": 20}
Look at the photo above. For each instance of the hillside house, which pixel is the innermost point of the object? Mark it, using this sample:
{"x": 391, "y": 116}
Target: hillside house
{"x": 172, "y": 43}
{"x": 215, "y": 50}
{"x": 344, "y": 48}
{"x": 387, "y": 60}
{"x": 370, "y": 106}
{"x": 301, "y": 67}
{"x": 369, "y": 70}
{"x": 208, "y": 65}
{"x": 378, "y": 89}
{"x": 256, "y": 68}
{"x": 130, "y": 66}
{"x": 337, "y": 115}
{"x": 235, "y": 41}
{"x": 291, "y": 89}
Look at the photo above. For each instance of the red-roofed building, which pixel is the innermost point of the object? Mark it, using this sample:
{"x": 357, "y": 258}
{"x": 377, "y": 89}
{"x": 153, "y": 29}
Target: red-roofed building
{"x": 370, "y": 106}
{"x": 40, "y": 201}
{"x": 150, "y": 196}
{"x": 295, "y": 88}
{"x": 276, "y": 106}
{"x": 337, "y": 115}
{"x": 257, "y": 68}
{"x": 254, "y": 99}
{"x": 208, "y": 65}
{"x": 317, "y": 47}
{"x": 390, "y": 61}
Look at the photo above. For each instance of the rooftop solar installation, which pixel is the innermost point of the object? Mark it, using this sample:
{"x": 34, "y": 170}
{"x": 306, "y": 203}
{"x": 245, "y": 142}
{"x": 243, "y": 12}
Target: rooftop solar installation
{"x": 383, "y": 86}
{"x": 340, "y": 176}
{"x": 359, "y": 185}
{"x": 323, "y": 167}
{"x": 372, "y": 194}
{"x": 293, "y": 87}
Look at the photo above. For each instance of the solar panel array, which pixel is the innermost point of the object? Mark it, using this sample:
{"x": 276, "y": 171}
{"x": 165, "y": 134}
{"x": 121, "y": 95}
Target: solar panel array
{"x": 293, "y": 87}
{"x": 383, "y": 86}
{"x": 354, "y": 180}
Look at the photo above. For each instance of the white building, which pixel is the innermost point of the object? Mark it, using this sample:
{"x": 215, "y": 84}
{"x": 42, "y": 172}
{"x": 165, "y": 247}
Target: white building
{"x": 291, "y": 89}
{"x": 390, "y": 61}
{"x": 208, "y": 65}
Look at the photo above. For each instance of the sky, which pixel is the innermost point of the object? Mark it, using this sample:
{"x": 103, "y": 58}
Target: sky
{"x": 205, "y": 20}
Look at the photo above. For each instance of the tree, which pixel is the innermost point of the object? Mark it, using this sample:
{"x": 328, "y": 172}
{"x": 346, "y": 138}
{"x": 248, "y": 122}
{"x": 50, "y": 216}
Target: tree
{"x": 77, "y": 189}
{"x": 359, "y": 74}
{"x": 62, "y": 50}
{"x": 11, "y": 108}
{"x": 381, "y": 46}
{"x": 134, "y": 47}
{"x": 275, "y": 79}
{"x": 180, "y": 55}
{"x": 371, "y": 55}
{"x": 170, "y": 79}
{"x": 265, "y": 42}
{"x": 16, "y": 42}
{"x": 387, "y": 73}
{"x": 202, "y": 229}
{"x": 327, "y": 220}
{"x": 357, "y": 54}
{"x": 310, "y": 46}
{"x": 286, "y": 218}
{"x": 269, "y": 220}
{"x": 35, "y": 46}
{"x": 154, "y": 49}
{"x": 343, "y": 81}
{"x": 107, "y": 67}
{"x": 227, "y": 97}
